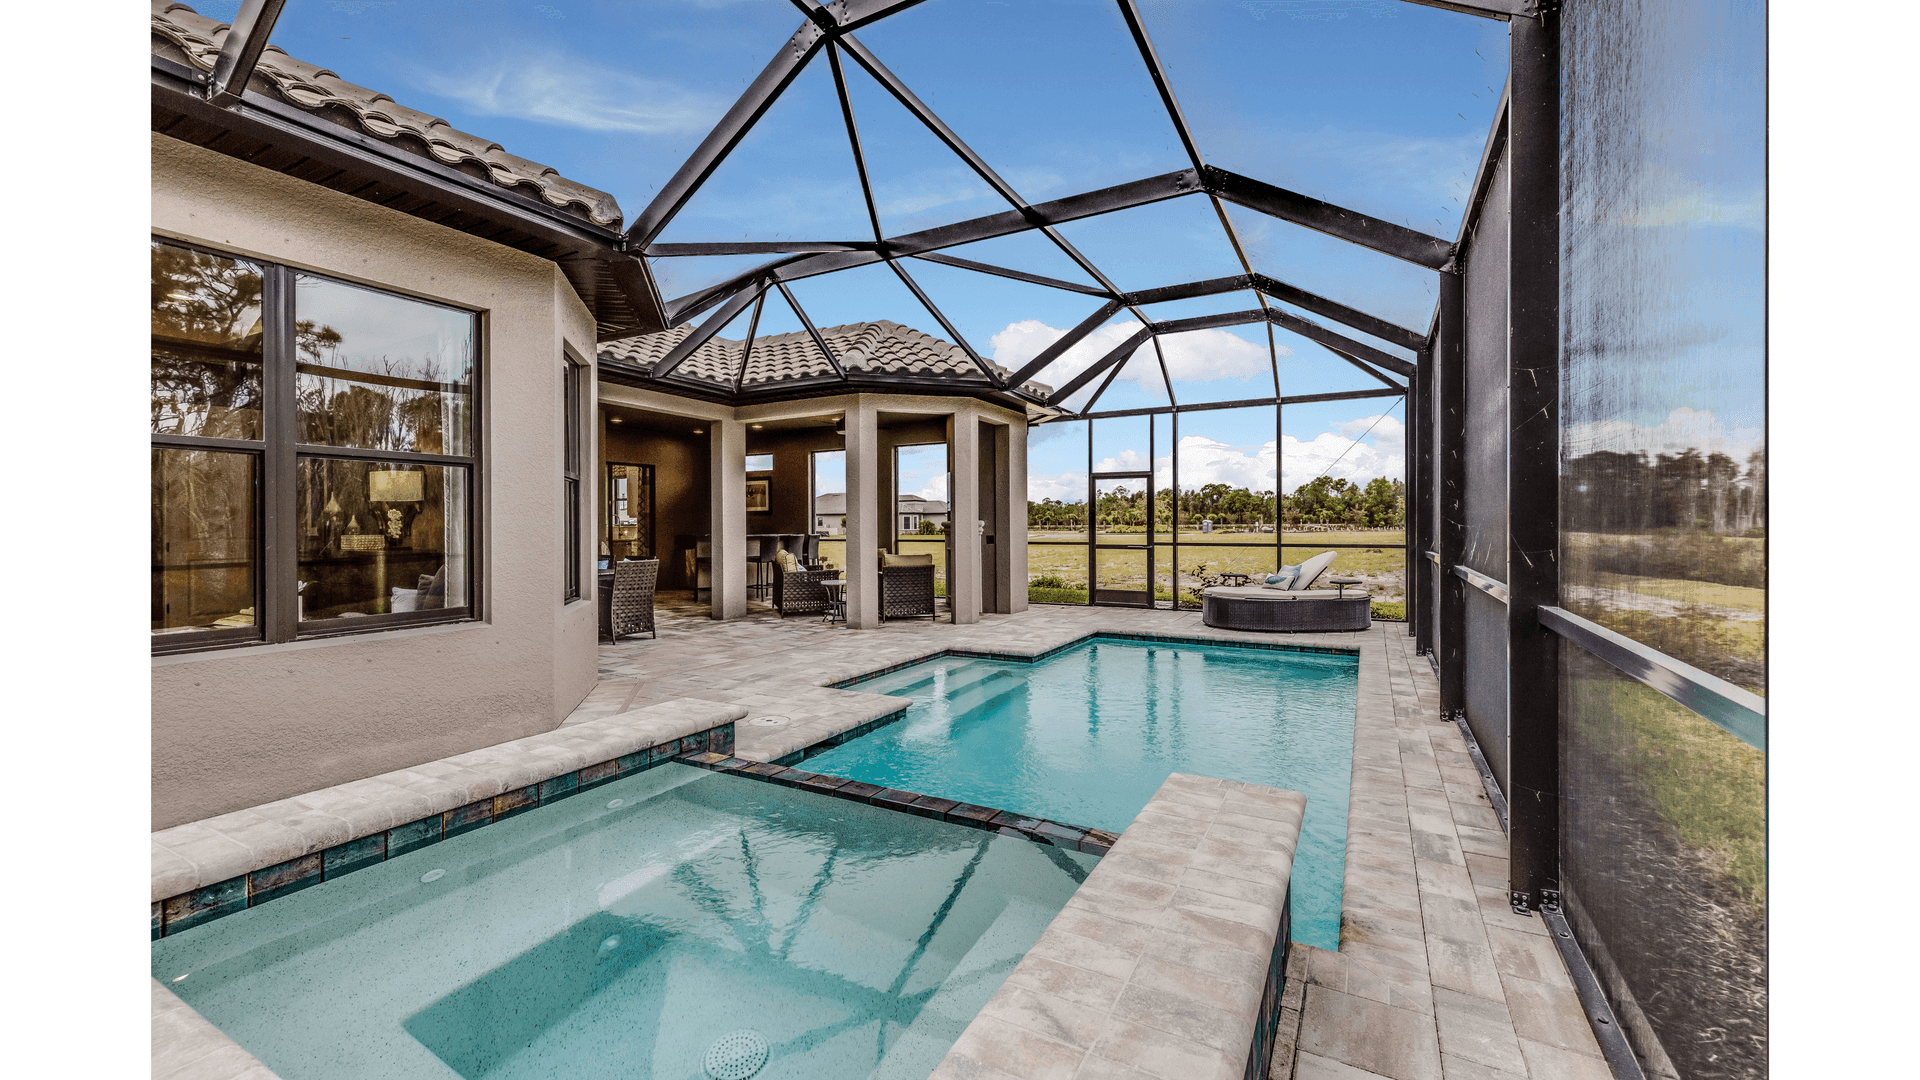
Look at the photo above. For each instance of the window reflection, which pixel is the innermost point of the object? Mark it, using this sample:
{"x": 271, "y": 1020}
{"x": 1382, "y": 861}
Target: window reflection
{"x": 204, "y": 550}
{"x": 382, "y": 372}
{"x": 379, "y": 538}
{"x": 206, "y": 344}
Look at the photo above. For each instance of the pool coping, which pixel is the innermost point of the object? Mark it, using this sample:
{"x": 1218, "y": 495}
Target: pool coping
{"x": 208, "y": 869}
{"x": 818, "y": 738}
{"x": 1168, "y": 961}
{"x": 1005, "y": 822}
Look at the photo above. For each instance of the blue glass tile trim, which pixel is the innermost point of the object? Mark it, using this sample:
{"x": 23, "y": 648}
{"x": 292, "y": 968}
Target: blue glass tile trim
{"x": 711, "y": 750}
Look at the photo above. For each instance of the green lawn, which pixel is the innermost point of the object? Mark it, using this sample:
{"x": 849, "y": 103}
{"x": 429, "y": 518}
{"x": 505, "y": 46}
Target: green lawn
{"x": 1708, "y": 784}
{"x": 1383, "y": 568}
{"x": 1731, "y": 597}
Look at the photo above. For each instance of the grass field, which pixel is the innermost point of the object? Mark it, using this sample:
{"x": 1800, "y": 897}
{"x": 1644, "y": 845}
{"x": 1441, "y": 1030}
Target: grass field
{"x": 1382, "y": 568}
{"x": 1708, "y": 784}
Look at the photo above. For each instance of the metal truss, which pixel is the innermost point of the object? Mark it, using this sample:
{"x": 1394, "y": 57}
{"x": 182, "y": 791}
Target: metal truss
{"x": 830, "y": 28}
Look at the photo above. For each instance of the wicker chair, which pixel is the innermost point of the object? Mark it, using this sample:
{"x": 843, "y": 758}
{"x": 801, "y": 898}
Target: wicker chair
{"x": 906, "y": 586}
{"x": 633, "y": 582}
{"x": 799, "y": 592}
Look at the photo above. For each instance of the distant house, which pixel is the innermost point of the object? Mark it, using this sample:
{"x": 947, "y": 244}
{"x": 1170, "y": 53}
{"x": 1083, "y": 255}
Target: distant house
{"x": 830, "y": 513}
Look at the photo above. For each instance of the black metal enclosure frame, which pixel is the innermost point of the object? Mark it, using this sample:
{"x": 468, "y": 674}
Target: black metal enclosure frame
{"x": 1538, "y": 636}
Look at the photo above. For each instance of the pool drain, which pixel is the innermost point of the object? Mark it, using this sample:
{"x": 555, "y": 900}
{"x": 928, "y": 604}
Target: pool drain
{"x": 737, "y": 1055}
{"x": 768, "y": 721}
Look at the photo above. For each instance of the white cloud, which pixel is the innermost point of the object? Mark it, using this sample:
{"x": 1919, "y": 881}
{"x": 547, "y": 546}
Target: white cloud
{"x": 1197, "y": 355}
{"x": 1683, "y": 429}
{"x": 1066, "y": 487}
{"x": 554, "y": 88}
{"x": 1357, "y": 450}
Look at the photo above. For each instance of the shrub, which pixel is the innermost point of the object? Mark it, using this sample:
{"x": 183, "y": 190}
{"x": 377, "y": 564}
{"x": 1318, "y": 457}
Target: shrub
{"x": 1050, "y": 581}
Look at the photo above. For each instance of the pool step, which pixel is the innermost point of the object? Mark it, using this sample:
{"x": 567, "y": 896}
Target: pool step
{"x": 960, "y": 676}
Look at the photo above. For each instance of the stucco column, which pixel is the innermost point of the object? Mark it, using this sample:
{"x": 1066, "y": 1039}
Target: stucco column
{"x": 727, "y": 450}
{"x": 963, "y": 572}
{"x": 864, "y": 509}
{"x": 1010, "y": 462}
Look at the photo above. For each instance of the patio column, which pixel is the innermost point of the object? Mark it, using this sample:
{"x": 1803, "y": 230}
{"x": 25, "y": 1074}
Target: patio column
{"x": 1010, "y": 465}
{"x": 963, "y": 572}
{"x": 727, "y": 468}
{"x": 864, "y": 507}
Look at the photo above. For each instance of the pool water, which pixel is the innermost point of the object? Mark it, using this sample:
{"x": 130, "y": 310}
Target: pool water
{"x": 626, "y": 930}
{"x": 1086, "y": 736}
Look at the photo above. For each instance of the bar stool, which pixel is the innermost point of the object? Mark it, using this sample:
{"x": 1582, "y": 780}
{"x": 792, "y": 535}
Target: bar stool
{"x": 760, "y": 566}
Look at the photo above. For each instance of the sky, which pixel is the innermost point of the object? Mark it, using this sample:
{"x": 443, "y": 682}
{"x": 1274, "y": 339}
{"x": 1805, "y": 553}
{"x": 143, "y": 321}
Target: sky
{"x": 1377, "y": 105}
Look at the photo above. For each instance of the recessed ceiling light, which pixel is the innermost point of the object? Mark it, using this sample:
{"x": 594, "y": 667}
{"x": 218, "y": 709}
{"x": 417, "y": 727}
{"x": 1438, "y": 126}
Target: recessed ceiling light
{"x": 699, "y": 431}
{"x": 757, "y": 427}
{"x": 613, "y": 420}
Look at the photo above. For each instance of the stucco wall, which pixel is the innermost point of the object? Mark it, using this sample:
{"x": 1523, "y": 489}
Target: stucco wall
{"x": 237, "y": 728}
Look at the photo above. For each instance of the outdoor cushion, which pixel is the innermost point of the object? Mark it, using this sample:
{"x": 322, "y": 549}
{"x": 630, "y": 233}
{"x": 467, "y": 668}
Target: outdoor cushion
{"x": 1261, "y": 592}
{"x": 1283, "y": 579}
{"x": 786, "y": 560}
{"x": 889, "y": 559}
{"x": 1311, "y": 569}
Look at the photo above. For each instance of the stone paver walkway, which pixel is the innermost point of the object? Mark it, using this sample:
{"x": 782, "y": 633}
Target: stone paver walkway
{"x": 1436, "y": 977}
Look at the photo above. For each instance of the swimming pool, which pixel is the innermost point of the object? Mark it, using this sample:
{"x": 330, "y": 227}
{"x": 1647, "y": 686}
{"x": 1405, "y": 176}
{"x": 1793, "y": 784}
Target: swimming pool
{"x": 625, "y": 932}
{"x": 1087, "y": 735}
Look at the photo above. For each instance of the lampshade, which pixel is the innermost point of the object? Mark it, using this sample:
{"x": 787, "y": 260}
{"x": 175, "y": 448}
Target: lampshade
{"x": 386, "y": 486}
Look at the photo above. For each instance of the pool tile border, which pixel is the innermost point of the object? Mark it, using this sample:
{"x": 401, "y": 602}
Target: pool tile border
{"x": 197, "y": 907}
{"x": 1037, "y": 830}
{"x": 1094, "y": 636}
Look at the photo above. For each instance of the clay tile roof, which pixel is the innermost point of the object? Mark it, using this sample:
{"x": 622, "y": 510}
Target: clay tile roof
{"x": 879, "y": 348}
{"x": 314, "y": 88}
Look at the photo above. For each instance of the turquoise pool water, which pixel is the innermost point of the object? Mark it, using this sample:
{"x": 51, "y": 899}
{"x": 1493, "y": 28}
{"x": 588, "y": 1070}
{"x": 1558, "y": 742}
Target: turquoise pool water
{"x": 623, "y": 931}
{"x": 1086, "y": 737}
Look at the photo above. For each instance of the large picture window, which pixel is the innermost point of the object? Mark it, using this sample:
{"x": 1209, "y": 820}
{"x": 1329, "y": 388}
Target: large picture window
{"x": 313, "y": 454}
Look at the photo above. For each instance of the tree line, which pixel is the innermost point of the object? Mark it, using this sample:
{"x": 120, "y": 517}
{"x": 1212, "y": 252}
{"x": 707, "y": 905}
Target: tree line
{"x": 1322, "y": 501}
{"x": 1609, "y": 491}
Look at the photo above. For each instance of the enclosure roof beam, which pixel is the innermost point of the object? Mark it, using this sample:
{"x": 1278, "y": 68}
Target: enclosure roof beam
{"x": 940, "y": 317}
{"x": 1340, "y": 343}
{"x": 712, "y": 326}
{"x": 1017, "y": 275}
{"x": 1072, "y": 208}
{"x": 794, "y": 303}
{"x": 912, "y": 103}
{"x": 758, "y": 247}
{"x": 1335, "y": 221}
{"x": 1352, "y": 318}
{"x": 240, "y": 52}
{"x": 1503, "y": 10}
{"x": 1067, "y": 341}
{"x": 1119, "y": 354}
{"x": 773, "y": 80}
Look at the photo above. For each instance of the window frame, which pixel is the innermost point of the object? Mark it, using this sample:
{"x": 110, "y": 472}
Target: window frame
{"x": 573, "y": 428}
{"x": 276, "y": 474}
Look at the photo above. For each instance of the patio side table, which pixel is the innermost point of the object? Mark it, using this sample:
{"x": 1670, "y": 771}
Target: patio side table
{"x": 836, "y": 600}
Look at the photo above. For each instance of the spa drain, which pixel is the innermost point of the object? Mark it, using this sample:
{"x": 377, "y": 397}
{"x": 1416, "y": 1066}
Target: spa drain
{"x": 737, "y": 1055}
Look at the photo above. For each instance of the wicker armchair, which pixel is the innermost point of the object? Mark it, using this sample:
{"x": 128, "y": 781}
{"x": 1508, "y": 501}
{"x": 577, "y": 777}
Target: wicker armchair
{"x": 906, "y": 586}
{"x": 633, "y": 582}
{"x": 799, "y": 592}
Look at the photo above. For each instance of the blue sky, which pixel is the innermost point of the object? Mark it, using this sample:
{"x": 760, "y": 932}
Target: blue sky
{"x": 1378, "y": 105}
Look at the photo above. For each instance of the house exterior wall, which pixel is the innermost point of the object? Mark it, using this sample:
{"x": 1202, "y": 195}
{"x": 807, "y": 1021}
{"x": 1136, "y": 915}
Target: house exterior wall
{"x": 244, "y": 726}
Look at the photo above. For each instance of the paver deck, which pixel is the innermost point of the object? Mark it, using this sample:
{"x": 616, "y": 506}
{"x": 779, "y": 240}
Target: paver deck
{"x": 1436, "y": 977}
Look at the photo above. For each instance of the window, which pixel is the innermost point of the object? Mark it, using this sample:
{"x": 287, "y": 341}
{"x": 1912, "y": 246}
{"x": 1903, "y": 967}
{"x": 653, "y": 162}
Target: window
{"x": 572, "y": 393}
{"x": 312, "y": 454}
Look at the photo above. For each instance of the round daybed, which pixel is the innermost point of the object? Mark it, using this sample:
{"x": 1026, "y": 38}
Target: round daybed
{"x": 1287, "y": 604}
{"x": 1260, "y": 608}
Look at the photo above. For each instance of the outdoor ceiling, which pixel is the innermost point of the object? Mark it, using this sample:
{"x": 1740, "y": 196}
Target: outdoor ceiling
{"x": 1289, "y": 174}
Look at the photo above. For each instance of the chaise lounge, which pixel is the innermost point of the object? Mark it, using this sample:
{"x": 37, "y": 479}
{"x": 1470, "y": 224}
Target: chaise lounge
{"x": 1287, "y": 604}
